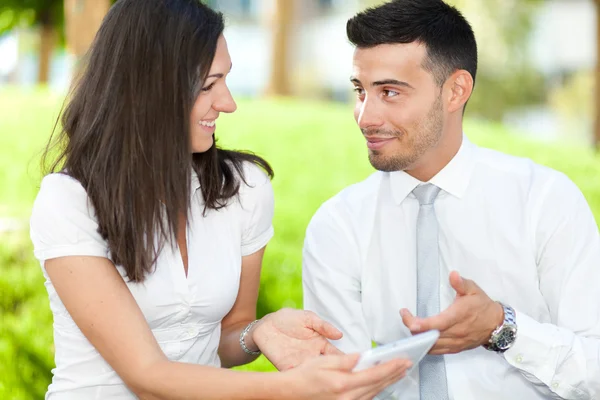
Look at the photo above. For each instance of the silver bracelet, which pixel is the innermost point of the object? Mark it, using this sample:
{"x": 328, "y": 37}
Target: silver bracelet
{"x": 243, "y": 341}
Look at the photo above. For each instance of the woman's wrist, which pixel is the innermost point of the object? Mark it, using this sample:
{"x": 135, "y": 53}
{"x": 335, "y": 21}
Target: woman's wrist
{"x": 247, "y": 341}
{"x": 282, "y": 384}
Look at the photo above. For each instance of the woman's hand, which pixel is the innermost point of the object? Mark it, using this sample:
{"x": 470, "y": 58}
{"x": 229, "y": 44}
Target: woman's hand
{"x": 289, "y": 337}
{"x": 331, "y": 377}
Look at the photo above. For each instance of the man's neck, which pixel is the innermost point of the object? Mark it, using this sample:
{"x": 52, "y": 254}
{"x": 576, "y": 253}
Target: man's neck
{"x": 438, "y": 157}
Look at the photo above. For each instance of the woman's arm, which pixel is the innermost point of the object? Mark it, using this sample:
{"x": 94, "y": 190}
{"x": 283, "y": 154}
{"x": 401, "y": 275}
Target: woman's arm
{"x": 242, "y": 313}
{"x": 102, "y": 306}
{"x": 287, "y": 337}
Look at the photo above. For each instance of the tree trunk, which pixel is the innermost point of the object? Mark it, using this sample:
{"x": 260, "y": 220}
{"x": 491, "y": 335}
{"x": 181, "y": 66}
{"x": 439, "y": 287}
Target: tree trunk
{"x": 281, "y": 26}
{"x": 82, "y": 20}
{"x": 48, "y": 38}
{"x": 597, "y": 102}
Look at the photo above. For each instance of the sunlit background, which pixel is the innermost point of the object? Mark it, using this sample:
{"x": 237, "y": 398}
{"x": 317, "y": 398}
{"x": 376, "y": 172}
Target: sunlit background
{"x": 534, "y": 97}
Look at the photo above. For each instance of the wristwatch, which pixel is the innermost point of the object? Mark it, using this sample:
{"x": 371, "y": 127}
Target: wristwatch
{"x": 504, "y": 335}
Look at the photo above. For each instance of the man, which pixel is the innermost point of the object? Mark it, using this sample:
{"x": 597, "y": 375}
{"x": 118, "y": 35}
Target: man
{"x": 501, "y": 255}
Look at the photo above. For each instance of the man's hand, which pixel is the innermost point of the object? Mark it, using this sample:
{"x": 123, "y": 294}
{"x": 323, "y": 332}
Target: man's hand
{"x": 289, "y": 337}
{"x": 466, "y": 324}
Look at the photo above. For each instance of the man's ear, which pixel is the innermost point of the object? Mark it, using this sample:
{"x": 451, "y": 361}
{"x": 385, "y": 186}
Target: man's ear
{"x": 458, "y": 89}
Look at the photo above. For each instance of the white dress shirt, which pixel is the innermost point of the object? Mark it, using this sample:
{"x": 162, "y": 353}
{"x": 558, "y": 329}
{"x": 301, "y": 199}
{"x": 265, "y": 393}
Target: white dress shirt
{"x": 523, "y": 232}
{"x": 184, "y": 313}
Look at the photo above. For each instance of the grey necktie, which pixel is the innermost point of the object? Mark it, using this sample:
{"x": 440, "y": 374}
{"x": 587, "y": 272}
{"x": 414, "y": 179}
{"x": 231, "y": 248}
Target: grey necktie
{"x": 432, "y": 370}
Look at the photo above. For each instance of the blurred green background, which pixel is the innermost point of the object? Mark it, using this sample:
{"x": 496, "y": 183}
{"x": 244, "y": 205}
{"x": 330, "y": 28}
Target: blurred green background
{"x": 295, "y": 114}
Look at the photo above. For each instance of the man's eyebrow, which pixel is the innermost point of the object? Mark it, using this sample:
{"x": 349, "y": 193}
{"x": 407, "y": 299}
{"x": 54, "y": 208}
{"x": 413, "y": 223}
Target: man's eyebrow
{"x": 395, "y": 82}
{"x": 384, "y": 82}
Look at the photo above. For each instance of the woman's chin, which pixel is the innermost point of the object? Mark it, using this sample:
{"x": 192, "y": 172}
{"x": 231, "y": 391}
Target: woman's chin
{"x": 202, "y": 147}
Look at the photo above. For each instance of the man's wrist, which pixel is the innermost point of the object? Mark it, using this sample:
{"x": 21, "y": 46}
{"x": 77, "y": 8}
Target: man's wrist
{"x": 500, "y": 313}
{"x": 504, "y": 336}
{"x": 497, "y": 320}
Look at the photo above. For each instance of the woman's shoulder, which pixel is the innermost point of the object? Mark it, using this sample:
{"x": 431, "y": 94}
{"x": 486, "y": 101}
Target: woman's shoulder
{"x": 63, "y": 221}
{"x": 61, "y": 190}
{"x": 62, "y": 194}
{"x": 253, "y": 176}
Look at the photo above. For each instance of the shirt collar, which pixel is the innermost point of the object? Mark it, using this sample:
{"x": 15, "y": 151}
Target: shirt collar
{"x": 194, "y": 182}
{"x": 453, "y": 178}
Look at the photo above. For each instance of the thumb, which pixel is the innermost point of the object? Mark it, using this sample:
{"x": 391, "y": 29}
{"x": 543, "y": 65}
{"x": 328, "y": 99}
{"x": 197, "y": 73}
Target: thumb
{"x": 458, "y": 283}
{"x": 461, "y": 285}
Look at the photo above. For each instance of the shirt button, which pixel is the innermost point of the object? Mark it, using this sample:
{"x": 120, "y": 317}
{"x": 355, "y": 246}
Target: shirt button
{"x": 555, "y": 385}
{"x": 190, "y": 332}
{"x": 519, "y": 358}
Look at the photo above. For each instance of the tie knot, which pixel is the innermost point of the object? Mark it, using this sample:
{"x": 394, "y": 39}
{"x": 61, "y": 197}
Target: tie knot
{"x": 426, "y": 193}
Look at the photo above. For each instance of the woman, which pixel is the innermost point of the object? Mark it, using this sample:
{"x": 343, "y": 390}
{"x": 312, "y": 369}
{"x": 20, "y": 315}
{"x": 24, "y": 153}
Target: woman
{"x": 151, "y": 239}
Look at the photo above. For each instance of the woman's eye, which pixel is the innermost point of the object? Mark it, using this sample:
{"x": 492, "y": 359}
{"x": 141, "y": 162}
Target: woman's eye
{"x": 208, "y": 88}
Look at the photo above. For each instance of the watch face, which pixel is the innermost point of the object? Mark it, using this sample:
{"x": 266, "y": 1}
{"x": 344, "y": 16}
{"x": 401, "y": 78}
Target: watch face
{"x": 506, "y": 337}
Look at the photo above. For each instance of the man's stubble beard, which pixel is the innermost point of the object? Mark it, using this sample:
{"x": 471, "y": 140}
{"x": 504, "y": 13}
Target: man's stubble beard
{"x": 428, "y": 134}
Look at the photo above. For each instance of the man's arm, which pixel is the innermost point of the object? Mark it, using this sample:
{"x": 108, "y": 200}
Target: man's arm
{"x": 564, "y": 355}
{"x": 560, "y": 358}
{"x": 331, "y": 276}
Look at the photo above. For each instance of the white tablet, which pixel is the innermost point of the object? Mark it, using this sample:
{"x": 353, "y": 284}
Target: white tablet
{"x": 413, "y": 348}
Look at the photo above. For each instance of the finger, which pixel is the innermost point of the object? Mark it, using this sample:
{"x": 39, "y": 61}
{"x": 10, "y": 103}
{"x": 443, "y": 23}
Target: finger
{"x": 368, "y": 392}
{"x": 441, "y": 322}
{"x": 380, "y": 373}
{"x": 410, "y": 321}
{"x": 321, "y": 327}
{"x": 331, "y": 349}
{"x": 343, "y": 362}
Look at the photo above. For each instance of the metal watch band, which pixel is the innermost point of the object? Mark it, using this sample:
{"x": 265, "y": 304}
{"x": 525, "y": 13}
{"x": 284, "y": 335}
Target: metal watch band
{"x": 509, "y": 315}
{"x": 243, "y": 339}
{"x": 510, "y": 320}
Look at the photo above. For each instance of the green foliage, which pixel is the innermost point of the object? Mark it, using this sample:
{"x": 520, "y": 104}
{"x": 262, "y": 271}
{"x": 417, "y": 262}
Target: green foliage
{"x": 26, "y": 353}
{"x": 575, "y": 98}
{"x": 315, "y": 149}
{"x": 15, "y": 13}
{"x": 29, "y": 13}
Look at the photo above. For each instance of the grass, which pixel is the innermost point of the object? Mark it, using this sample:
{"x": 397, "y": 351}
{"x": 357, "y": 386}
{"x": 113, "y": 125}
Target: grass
{"x": 315, "y": 149}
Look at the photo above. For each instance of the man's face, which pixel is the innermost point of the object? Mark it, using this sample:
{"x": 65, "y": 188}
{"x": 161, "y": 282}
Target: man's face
{"x": 399, "y": 105}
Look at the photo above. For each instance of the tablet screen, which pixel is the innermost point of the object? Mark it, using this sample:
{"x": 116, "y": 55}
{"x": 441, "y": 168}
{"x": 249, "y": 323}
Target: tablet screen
{"x": 413, "y": 348}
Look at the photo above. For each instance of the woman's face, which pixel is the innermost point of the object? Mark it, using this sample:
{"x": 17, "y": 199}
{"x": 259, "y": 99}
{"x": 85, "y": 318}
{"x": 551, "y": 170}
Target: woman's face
{"x": 214, "y": 98}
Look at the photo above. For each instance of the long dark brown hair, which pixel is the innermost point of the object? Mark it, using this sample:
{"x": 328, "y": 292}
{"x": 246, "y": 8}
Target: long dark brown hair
{"x": 125, "y": 130}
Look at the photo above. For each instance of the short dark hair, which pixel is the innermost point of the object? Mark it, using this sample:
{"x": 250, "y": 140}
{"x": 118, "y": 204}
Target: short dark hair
{"x": 446, "y": 34}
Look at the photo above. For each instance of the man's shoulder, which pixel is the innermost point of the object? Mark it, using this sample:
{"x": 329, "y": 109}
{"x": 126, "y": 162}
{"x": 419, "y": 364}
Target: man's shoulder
{"x": 522, "y": 175}
{"x": 515, "y": 167}
{"x": 351, "y": 201}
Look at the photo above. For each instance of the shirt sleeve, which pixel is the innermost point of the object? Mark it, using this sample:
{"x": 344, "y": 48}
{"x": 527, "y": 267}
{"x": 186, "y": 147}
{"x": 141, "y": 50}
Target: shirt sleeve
{"x": 331, "y": 276}
{"x": 63, "y": 222}
{"x": 562, "y": 357}
{"x": 258, "y": 206}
